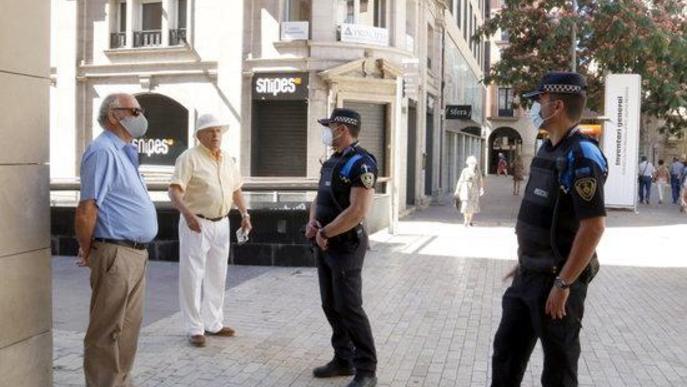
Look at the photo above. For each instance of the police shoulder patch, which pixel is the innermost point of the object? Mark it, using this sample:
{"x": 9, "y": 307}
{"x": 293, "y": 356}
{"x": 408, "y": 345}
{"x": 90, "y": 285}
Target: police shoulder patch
{"x": 586, "y": 188}
{"x": 368, "y": 179}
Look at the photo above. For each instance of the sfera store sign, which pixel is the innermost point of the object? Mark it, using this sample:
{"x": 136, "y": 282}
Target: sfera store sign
{"x": 280, "y": 86}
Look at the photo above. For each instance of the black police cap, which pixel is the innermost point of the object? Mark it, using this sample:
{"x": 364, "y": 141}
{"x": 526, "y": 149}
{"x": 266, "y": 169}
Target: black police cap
{"x": 559, "y": 83}
{"x": 343, "y": 116}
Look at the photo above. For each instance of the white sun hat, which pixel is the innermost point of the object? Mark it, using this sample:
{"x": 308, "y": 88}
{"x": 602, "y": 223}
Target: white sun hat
{"x": 210, "y": 121}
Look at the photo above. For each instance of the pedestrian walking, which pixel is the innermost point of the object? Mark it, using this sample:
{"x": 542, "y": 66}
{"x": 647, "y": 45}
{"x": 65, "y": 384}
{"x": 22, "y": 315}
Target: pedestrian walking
{"x": 502, "y": 166}
{"x": 205, "y": 185}
{"x": 676, "y": 172}
{"x": 469, "y": 188}
{"x": 683, "y": 198}
{"x": 646, "y": 175}
{"x": 518, "y": 169}
{"x": 344, "y": 197}
{"x": 662, "y": 177}
{"x": 559, "y": 225}
{"x": 115, "y": 220}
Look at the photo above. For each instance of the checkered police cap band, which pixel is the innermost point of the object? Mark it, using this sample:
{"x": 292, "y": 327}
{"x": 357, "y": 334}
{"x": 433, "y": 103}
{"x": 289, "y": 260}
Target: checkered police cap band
{"x": 563, "y": 89}
{"x": 345, "y": 120}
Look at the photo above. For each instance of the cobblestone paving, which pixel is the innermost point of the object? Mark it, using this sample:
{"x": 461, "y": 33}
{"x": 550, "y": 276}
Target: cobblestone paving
{"x": 432, "y": 292}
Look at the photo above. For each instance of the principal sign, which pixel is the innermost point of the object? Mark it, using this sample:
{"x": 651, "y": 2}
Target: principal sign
{"x": 358, "y": 33}
{"x": 621, "y": 139}
{"x": 458, "y": 112}
{"x": 280, "y": 86}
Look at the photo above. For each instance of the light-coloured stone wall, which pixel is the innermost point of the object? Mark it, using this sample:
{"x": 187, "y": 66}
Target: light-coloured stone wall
{"x": 25, "y": 299}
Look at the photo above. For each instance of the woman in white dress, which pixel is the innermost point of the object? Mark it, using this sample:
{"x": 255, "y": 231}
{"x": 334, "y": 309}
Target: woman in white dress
{"x": 469, "y": 188}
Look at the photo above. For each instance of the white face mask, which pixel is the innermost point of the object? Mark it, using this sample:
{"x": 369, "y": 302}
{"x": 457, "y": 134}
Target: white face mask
{"x": 535, "y": 115}
{"x": 137, "y": 126}
{"x": 327, "y": 136}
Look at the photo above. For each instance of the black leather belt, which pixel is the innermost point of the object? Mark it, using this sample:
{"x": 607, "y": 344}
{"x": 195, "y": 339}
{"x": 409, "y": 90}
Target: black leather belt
{"x": 211, "y": 219}
{"x": 123, "y": 242}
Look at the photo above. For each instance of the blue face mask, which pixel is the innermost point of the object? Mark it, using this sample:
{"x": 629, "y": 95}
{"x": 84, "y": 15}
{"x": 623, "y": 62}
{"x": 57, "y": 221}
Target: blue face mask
{"x": 536, "y": 117}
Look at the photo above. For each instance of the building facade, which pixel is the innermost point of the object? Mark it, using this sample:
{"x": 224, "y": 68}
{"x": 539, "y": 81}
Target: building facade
{"x": 181, "y": 58}
{"x": 25, "y": 265}
{"x": 391, "y": 61}
{"x": 272, "y": 68}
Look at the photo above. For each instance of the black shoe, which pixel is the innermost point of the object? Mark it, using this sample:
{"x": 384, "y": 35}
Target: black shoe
{"x": 334, "y": 368}
{"x": 363, "y": 381}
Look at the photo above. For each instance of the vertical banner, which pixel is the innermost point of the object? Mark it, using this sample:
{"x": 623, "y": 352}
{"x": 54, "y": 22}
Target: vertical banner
{"x": 621, "y": 139}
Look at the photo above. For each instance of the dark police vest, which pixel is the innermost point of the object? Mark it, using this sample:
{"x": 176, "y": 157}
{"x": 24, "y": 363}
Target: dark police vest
{"x": 548, "y": 219}
{"x": 336, "y": 181}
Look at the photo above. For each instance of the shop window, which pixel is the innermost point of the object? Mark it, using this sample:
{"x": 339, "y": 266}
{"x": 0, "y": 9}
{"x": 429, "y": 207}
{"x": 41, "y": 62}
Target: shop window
{"x": 297, "y": 10}
{"x": 505, "y": 102}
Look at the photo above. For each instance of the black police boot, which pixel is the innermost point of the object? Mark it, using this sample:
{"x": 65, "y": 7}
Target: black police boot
{"x": 363, "y": 380}
{"x": 335, "y": 367}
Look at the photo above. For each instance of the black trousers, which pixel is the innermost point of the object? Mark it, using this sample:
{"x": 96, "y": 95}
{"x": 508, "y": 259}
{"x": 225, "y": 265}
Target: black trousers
{"x": 524, "y": 321}
{"x": 341, "y": 293}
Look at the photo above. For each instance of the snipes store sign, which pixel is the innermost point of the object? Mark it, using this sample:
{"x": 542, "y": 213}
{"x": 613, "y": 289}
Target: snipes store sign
{"x": 280, "y": 86}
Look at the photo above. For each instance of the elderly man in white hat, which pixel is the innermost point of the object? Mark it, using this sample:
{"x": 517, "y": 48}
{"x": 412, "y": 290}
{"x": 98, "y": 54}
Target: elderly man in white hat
{"x": 205, "y": 184}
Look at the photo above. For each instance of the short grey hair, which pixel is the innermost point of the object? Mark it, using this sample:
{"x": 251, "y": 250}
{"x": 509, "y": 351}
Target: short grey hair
{"x": 110, "y": 102}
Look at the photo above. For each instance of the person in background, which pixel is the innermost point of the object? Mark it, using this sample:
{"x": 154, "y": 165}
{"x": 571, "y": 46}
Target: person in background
{"x": 646, "y": 175}
{"x": 662, "y": 177}
{"x": 469, "y": 188}
{"x": 518, "y": 169}
{"x": 676, "y": 178}
{"x": 502, "y": 166}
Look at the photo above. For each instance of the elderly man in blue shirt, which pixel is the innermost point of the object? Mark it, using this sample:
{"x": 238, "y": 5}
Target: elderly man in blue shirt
{"x": 114, "y": 222}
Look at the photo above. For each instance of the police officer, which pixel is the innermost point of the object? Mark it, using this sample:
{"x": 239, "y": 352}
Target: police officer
{"x": 560, "y": 223}
{"x": 343, "y": 199}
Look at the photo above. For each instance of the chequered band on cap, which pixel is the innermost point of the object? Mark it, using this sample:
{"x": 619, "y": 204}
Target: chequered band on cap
{"x": 345, "y": 120}
{"x": 562, "y": 89}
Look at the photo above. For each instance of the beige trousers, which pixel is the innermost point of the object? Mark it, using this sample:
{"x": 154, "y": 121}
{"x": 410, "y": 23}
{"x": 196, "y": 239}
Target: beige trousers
{"x": 118, "y": 286}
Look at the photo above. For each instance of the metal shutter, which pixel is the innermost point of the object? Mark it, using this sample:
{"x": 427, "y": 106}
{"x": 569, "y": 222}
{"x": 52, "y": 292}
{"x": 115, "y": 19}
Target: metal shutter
{"x": 373, "y": 132}
{"x": 280, "y": 131}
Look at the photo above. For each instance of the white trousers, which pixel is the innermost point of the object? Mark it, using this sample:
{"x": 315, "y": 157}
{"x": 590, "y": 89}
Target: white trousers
{"x": 203, "y": 260}
{"x": 661, "y": 185}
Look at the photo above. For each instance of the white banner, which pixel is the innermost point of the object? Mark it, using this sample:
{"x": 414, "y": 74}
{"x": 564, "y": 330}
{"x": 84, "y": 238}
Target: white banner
{"x": 621, "y": 139}
{"x": 358, "y": 33}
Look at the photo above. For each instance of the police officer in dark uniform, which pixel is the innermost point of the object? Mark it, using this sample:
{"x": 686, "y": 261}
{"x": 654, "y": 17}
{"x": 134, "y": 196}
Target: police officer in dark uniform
{"x": 344, "y": 197}
{"x": 560, "y": 223}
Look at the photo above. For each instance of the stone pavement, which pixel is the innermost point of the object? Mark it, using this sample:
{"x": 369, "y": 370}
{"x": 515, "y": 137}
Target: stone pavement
{"x": 432, "y": 292}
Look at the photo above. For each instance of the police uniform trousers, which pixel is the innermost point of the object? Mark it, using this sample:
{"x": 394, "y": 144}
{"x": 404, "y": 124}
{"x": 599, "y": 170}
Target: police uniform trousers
{"x": 116, "y": 314}
{"x": 524, "y": 321}
{"x": 341, "y": 293}
{"x": 203, "y": 262}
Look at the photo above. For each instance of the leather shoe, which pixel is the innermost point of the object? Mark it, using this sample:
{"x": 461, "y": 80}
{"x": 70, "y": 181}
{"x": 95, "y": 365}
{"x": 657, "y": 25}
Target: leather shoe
{"x": 363, "y": 381}
{"x": 197, "y": 340}
{"x": 334, "y": 368}
{"x": 224, "y": 332}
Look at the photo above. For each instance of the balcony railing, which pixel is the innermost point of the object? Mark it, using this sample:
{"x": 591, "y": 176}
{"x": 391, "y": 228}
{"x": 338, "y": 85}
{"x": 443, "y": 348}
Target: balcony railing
{"x": 117, "y": 39}
{"x": 177, "y": 37}
{"x": 150, "y": 38}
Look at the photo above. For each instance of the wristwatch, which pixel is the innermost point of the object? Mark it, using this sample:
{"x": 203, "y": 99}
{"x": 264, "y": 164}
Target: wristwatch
{"x": 561, "y": 284}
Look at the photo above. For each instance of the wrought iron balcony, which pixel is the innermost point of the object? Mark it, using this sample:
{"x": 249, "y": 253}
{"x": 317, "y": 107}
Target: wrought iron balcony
{"x": 117, "y": 39}
{"x": 149, "y": 38}
{"x": 177, "y": 37}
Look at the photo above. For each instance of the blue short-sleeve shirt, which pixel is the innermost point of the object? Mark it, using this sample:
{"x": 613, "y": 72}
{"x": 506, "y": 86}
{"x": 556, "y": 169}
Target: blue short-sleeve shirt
{"x": 110, "y": 177}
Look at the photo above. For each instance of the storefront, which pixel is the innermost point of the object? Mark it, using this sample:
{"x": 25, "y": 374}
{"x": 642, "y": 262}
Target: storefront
{"x": 279, "y": 124}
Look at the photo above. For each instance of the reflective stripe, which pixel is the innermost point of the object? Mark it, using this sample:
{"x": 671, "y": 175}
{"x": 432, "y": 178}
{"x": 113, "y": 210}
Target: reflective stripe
{"x": 346, "y": 170}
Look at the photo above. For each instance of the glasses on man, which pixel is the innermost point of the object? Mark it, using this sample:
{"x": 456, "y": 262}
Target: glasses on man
{"x": 134, "y": 111}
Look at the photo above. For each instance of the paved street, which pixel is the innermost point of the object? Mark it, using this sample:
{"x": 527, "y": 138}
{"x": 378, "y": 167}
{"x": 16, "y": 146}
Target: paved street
{"x": 432, "y": 292}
